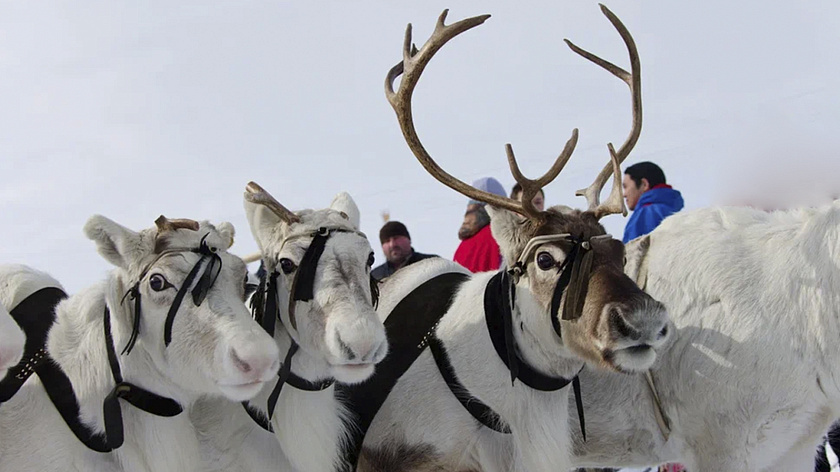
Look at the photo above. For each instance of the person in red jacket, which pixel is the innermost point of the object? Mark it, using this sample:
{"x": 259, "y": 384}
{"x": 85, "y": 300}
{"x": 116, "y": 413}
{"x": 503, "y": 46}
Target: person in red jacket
{"x": 478, "y": 251}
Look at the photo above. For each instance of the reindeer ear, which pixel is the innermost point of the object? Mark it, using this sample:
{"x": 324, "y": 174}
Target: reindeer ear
{"x": 507, "y": 231}
{"x": 117, "y": 244}
{"x": 263, "y": 222}
{"x": 227, "y": 233}
{"x": 344, "y": 203}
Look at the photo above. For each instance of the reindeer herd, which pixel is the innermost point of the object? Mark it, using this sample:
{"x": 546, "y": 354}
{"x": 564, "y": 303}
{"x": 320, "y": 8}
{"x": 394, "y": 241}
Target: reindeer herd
{"x": 713, "y": 341}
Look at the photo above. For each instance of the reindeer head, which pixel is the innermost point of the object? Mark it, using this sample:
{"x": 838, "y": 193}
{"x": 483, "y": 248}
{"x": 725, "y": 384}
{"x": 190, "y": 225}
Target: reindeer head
{"x": 561, "y": 258}
{"x": 321, "y": 264}
{"x": 177, "y": 296}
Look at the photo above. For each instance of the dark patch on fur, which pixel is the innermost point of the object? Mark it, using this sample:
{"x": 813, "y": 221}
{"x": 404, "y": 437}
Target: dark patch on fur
{"x": 400, "y": 457}
{"x": 345, "y": 348}
{"x": 162, "y": 243}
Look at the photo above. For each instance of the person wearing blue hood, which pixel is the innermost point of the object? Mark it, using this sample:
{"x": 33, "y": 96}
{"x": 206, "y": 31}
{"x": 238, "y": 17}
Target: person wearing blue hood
{"x": 649, "y": 197}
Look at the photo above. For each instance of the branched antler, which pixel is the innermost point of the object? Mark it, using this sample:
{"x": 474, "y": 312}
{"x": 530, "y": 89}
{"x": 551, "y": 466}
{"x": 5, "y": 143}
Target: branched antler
{"x": 415, "y": 61}
{"x": 256, "y": 194}
{"x": 411, "y": 67}
{"x": 633, "y": 79}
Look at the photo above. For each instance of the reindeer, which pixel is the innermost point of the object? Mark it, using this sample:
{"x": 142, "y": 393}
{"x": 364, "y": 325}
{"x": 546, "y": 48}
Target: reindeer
{"x": 503, "y": 347}
{"x": 318, "y": 282}
{"x": 751, "y": 379}
{"x": 117, "y": 363}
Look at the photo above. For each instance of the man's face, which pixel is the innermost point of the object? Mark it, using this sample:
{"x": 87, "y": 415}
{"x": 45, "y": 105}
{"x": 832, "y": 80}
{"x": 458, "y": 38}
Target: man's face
{"x": 396, "y": 249}
{"x": 538, "y": 201}
{"x": 632, "y": 192}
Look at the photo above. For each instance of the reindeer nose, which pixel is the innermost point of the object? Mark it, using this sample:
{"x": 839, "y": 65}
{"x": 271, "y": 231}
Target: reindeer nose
{"x": 254, "y": 364}
{"x": 621, "y": 324}
{"x": 363, "y": 350}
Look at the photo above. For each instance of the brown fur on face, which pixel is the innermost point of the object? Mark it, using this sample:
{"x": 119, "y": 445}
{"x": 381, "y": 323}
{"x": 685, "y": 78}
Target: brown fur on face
{"x": 616, "y": 313}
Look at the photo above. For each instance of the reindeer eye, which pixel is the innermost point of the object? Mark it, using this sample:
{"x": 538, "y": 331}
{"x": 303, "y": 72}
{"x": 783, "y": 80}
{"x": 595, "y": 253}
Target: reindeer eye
{"x": 287, "y": 266}
{"x": 158, "y": 282}
{"x": 371, "y": 259}
{"x": 545, "y": 261}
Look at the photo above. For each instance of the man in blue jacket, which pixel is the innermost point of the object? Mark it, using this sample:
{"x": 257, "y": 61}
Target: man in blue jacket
{"x": 649, "y": 197}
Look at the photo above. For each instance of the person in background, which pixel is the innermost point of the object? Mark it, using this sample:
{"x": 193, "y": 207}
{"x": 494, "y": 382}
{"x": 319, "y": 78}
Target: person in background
{"x": 538, "y": 200}
{"x": 396, "y": 244}
{"x": 478, "y": 251}
{"x": 649, "y": 198}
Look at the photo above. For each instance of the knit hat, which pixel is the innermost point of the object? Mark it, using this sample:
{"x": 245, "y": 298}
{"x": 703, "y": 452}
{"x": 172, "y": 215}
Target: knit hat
{"x": 488, "y": 184}
{"x": 391, "y": 229}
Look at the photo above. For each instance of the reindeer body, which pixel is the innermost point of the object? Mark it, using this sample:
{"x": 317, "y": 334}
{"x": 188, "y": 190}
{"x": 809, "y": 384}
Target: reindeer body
{"x": 215, "y": 349}
{"x": 422, "y": 426}
{"x": 751, "y": 379}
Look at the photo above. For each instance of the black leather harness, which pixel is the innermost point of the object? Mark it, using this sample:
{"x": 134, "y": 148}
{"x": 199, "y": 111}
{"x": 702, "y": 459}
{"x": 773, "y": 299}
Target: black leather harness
{"x": 419, "y": 313}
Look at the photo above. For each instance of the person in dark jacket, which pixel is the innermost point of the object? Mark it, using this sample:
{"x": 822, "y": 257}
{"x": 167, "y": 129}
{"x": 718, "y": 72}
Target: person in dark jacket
{"x": 396, "y": 244}
{"x": 649, "y": 197}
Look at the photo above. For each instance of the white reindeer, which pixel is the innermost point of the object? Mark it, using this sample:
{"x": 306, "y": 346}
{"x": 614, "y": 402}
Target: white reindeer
{"x": 169, "y": 320}
{"x": 338, "y": 331}
{"x": 573, "y": 304}
{"x": 751, "y": 380}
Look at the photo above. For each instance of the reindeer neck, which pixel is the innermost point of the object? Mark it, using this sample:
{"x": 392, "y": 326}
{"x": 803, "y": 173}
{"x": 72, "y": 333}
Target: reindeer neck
{"x": 304, "y": 365}
{"x": 77, "y": 344}
{"x": 536, "y": 340}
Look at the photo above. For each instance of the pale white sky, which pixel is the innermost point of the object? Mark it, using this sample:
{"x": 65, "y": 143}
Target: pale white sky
{"x": 136, "y": 109}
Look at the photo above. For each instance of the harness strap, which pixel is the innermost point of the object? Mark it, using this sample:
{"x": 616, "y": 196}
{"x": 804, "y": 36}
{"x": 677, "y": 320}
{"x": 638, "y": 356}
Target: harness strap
{"x": 201, "y": 288}
{"x": 407, "y": 326}
{"x": 36, "y": 315}
{"x": 287, "y": 377}
{"x": 480, "y": 411}
{"x": 303, "y": 285}
{"x": 176, "y": 303}
{"x": 498, "y": 299}
{"x": 137, "y": 396}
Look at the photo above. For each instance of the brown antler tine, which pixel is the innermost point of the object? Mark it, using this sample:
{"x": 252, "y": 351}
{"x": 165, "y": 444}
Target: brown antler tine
{"x": 258, "y": 195}
{"x": 634, "y": 81}
{"x": 531, "y": 187}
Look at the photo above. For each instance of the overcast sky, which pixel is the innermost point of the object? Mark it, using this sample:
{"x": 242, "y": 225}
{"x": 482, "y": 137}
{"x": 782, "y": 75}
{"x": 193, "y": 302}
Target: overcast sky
{"x": 136, "y": 109}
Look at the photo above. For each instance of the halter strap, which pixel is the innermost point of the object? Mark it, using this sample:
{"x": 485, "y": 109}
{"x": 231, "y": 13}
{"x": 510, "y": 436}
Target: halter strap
{"x": 201, "y": 288}
{"x": 137, "y": 396}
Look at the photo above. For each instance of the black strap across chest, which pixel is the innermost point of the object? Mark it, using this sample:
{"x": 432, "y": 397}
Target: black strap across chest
{"x": 407, "y": 327}
{"x": 36, "y": 315}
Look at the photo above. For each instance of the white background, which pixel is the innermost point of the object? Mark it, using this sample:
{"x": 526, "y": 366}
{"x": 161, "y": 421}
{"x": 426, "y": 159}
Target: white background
{"x": 136, "y": 109}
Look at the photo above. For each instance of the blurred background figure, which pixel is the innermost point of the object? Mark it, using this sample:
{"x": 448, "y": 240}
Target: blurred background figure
{"x": 478, "y": 251}
{"x": 538, "y": 200}
{"x": 396, "y": 244}
{"x": 649, "y": 197}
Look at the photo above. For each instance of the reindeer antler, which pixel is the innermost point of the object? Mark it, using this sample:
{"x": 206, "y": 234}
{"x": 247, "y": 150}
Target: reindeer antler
{"x": 256, "y": 194}
{"x": 165, "y": 224}
{"x": 411, "y": 67}
{"x": 615, "y": 202}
